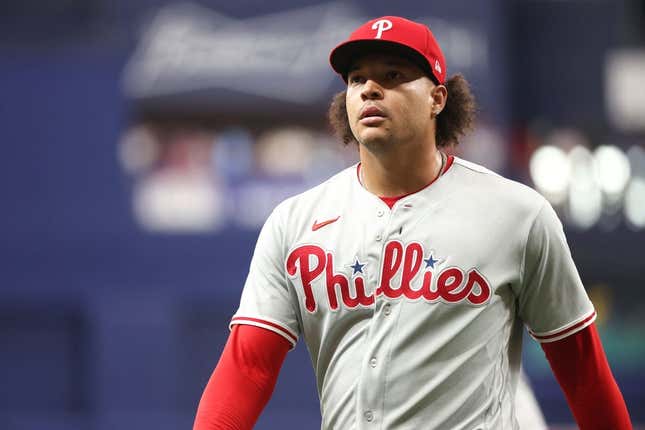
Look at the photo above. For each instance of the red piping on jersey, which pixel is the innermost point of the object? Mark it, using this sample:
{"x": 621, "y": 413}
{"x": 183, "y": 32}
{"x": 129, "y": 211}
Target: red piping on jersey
{"x": 563, "y": 331}
{"x": 286, "y": 332}
{"x": 391, "y": 200}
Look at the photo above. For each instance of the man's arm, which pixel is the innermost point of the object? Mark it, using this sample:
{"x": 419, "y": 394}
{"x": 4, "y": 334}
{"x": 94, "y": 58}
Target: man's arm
{"x": 243, "y": 381}
{"x": 580, "y": 366}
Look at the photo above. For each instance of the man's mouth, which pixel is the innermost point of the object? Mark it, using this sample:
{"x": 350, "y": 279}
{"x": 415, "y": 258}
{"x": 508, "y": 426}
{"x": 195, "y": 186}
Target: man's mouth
{"x": 372, "y": 111}
{"x": 372, "y": 116}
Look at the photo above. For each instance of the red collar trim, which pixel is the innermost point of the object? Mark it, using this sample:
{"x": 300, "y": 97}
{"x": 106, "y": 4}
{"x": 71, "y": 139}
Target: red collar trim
{"x": 390, "y": 201}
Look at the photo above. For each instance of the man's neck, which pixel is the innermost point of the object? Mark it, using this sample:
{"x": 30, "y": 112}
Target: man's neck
{"x": 398, "y": 173}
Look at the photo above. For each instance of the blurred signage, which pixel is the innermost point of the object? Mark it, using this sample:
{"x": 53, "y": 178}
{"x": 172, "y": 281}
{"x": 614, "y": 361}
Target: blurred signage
{"x": 280, "y": 56}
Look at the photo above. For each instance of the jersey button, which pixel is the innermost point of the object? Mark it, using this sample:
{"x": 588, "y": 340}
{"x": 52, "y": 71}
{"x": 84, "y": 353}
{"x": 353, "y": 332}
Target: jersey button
{"x": 369, "y": 416}
{"x": 387, "y": 310}
{"x": 380, "y": 213}
{"x": 378, "y": 237}
{"x": 373, "y": 362}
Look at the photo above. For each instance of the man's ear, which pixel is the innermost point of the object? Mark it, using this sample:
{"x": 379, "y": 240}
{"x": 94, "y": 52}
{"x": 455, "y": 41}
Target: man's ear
{"x": 439, "y": 97}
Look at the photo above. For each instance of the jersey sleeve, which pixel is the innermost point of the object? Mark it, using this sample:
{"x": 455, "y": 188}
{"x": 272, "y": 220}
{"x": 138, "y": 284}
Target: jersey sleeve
{"x": 552, "y": 300}
{"x": 267, "y": 300}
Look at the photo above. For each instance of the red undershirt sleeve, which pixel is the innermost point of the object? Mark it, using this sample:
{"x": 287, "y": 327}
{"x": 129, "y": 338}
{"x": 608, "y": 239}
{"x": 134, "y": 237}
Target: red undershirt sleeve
{"x": 581, "y": 368}
{"x": 243, "y": 380}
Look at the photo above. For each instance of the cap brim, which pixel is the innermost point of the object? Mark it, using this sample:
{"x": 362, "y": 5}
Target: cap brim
{"x": 343, "y": 55}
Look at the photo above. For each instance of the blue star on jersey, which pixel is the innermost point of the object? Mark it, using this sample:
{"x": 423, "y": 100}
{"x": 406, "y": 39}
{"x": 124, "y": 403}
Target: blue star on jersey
{"x": 358, "y": 267}
{"x": 430, "y": 262}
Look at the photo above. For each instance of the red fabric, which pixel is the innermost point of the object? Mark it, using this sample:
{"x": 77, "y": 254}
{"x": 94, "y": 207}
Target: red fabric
{"x": 243, "y": 381}
{"x": 580, "y": 366}
{"x": 389, "y": 201}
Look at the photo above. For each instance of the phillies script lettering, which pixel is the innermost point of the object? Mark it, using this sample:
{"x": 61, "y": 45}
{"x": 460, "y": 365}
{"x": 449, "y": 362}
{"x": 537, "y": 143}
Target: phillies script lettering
{"x": 449, "y": 285}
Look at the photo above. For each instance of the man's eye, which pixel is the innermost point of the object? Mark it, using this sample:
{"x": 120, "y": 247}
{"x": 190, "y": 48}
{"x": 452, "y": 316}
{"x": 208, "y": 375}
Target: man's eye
{"x": 355, "y": 79}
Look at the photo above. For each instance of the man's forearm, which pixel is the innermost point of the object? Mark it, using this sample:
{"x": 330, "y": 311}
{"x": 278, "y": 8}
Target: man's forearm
{"x": 581, "y": 368}
{"x": 243, "y": 380}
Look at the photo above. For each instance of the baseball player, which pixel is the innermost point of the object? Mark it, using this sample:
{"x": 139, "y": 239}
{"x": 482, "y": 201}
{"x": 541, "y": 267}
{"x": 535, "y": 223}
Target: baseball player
{"x": 410, "y": 274}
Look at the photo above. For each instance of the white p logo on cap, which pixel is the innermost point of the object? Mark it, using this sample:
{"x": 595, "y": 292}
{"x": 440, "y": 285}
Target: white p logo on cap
{"x": 381, "y": 25}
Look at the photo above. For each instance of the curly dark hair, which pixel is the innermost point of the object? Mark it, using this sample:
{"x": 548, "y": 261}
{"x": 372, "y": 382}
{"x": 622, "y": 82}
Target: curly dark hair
{"x": 455, "y": 121}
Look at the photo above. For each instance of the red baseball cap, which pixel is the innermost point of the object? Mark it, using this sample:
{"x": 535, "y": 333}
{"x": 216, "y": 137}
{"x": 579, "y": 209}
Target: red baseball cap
{"x": 395, "y": 35}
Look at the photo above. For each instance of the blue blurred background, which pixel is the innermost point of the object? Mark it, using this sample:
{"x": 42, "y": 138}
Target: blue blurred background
{"x": 144, "y": 143}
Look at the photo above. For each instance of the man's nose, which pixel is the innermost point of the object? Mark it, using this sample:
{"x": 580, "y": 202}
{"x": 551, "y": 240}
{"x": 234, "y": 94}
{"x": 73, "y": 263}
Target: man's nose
{"x": 371, "y": 90}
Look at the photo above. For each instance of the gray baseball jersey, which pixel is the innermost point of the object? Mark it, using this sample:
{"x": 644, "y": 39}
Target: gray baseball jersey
{"x": 413, "y": 315}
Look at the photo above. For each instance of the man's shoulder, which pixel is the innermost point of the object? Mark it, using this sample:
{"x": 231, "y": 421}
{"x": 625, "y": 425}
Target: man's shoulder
{"x": 496, "y": 188}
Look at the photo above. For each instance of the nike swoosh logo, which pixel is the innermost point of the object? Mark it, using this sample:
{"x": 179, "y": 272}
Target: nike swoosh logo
{"x": 318, "y": 225}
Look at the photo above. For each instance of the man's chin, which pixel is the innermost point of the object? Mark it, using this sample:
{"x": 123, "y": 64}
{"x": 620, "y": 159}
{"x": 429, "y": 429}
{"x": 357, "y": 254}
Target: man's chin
{"x": 374, "y": 135}
{"x": 375, "y": 141}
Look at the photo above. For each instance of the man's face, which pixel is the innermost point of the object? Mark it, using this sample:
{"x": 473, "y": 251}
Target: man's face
{"x": 389, "y": 102}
